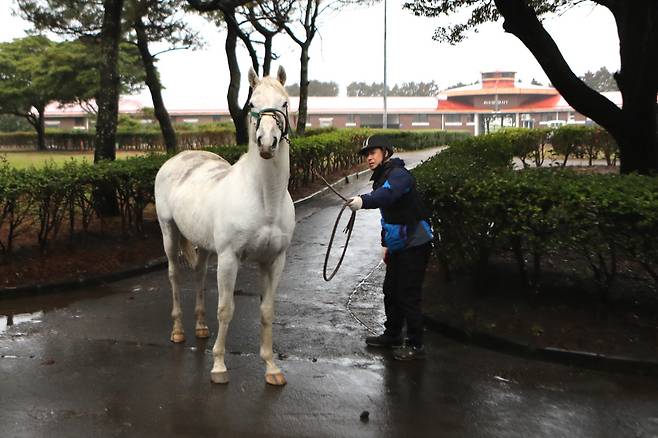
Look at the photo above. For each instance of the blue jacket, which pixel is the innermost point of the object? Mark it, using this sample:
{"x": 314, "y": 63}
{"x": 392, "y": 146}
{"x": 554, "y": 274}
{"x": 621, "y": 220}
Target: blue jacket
{"x": 404, "y": 223}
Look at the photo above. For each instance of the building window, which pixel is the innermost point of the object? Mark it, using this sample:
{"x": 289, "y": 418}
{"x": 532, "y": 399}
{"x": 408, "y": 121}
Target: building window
{"x": 326, "y": 122}
{"x": 372, "y": 120}
{"x": 453, "y": 119}
{"x": 393, "y": 120}
{"x": 190, "y": 120}
{"x": 421, "y": 118}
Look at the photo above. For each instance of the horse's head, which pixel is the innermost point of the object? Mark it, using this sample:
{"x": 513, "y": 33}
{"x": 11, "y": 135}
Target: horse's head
{"x": 268, "y": 111}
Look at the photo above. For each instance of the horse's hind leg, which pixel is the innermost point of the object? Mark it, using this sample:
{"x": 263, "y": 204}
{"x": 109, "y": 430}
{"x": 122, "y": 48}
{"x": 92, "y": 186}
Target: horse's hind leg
{"x": 171, "y": 241}
{"x": 270, "y": 276}
{"x": 227, "y": 271}
{"x": 200, "y": 271}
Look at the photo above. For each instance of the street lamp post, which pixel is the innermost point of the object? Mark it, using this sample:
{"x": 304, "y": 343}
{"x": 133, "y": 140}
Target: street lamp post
{"x": 385, "y": 121}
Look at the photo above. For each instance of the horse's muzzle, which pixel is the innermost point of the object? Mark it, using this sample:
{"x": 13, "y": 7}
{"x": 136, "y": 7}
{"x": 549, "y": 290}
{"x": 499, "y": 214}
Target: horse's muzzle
{"x": 266, "y": 155}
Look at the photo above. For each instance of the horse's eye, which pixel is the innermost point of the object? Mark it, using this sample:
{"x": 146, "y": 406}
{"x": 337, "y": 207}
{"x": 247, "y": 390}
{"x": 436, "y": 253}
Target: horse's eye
{"x": 250, "y": 105}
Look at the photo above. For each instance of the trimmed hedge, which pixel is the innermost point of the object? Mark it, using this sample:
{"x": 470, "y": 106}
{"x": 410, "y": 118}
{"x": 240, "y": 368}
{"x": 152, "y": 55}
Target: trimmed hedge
{"x": 581, "y": 141}
{"x": 150, "y": 140}
{"x": 43, "y": 201}
{"x": 481, "y": 207}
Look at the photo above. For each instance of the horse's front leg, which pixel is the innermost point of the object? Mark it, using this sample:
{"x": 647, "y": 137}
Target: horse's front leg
{"x": 227, "y": 270}
{"x": 270, "y": 276}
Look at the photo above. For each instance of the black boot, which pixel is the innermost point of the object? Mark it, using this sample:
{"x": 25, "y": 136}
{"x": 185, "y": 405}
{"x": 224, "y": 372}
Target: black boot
{"x": 384, "y": 341}
{"x": 409, "y": 352}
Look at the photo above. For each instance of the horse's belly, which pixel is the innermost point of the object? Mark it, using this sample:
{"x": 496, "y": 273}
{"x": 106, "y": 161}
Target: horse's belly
{"x": 193, "y": 224}
{"x": 267, "y": 242}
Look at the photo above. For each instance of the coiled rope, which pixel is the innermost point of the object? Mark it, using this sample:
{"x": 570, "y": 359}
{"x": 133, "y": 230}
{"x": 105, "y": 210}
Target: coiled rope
{"x": 348, "y": 230}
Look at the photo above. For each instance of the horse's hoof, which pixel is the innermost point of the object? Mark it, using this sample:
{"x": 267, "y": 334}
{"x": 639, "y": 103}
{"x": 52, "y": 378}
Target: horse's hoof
{"x": 275, "y": 379}
{"x": 219, "y": 377}
{"x": 177, "y": 338}
{"x": 202, "y": 333}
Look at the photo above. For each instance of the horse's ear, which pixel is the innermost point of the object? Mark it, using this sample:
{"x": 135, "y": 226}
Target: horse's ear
{"x": 253, "y": 78}
{"x": 281, "y": 75}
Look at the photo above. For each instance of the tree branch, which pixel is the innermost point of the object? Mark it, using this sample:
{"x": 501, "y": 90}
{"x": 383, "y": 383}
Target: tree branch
{"x": 171, "y": 49}
{"x": 521, "y": 21}
{"x": 216, "y": 5}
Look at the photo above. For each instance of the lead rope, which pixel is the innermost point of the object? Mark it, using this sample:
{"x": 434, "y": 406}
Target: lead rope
{"x": 348, "y": 230}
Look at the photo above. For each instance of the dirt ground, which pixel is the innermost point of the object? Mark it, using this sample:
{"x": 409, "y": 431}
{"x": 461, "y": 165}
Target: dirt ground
{"x": 564, "y": 312}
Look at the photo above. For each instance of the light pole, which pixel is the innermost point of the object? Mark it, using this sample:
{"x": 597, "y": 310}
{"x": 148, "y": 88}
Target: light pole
{"x": 385, "y": 121}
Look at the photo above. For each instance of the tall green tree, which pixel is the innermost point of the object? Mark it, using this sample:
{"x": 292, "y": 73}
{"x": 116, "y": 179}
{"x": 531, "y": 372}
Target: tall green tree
{"x": 100, "y": 21}
{"x": 25, "y": 88}
{"x": 600, "y": 80}
{"x": 404, "y": 89}
{"x": 363, "y": 89}
{"x": 315, "y": 88}
{"x": 36, "y": 71}
{"x": 634, "y": 125}
{"x": 13, "y": 123}
{"x": 415, "y": 89}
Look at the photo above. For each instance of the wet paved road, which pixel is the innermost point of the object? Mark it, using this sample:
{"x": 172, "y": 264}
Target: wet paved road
{"x": 99, "y": 363}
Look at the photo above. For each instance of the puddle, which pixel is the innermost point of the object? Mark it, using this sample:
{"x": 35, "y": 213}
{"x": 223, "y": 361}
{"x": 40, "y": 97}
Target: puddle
{"x": 7, "y": 321}
{"x": 31, "y": 308}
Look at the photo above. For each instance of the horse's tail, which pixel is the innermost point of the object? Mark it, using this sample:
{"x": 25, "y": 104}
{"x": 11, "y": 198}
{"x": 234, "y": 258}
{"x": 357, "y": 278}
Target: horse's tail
{"x": 189, "y": 252}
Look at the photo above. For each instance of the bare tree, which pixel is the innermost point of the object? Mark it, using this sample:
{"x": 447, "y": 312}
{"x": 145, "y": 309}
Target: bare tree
{"x": 241, "y": 23}
{"x": 159, "y": 20}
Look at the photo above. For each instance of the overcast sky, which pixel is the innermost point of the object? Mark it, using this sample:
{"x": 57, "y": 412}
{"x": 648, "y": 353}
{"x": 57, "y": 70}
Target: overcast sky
{"x": 350, "y": 48}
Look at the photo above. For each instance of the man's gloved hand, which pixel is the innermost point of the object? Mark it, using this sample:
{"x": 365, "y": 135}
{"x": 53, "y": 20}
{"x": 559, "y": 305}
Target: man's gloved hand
{"x": 355, "y": 203}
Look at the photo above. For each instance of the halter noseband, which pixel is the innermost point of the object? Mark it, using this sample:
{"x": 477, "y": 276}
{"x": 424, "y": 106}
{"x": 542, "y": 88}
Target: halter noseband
{"x": 273, "y": 112}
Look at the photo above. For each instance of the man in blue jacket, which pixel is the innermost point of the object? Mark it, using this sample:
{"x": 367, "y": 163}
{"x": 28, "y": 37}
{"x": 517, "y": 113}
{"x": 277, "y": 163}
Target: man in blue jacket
{"x": 407, "y": 237}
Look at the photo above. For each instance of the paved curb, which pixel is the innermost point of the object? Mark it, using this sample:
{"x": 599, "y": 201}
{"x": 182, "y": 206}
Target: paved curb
{"x": 582, "y": 359}
{"x": 152, "y": 265}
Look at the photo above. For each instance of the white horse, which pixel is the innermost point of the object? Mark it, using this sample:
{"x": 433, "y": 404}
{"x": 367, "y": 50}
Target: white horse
{"x": 239, "y": 212}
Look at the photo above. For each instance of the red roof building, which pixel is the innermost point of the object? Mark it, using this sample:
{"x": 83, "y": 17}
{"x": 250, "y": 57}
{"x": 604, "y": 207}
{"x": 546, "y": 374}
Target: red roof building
{"x": 498, "y": 100}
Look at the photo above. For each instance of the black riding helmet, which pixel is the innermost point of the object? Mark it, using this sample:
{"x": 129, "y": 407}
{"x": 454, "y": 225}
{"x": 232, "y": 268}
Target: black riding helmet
{"x": 377, "y": 141}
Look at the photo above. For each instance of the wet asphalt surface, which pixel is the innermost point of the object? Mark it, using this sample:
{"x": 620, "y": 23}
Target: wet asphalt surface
{"x": 99, "y": 363}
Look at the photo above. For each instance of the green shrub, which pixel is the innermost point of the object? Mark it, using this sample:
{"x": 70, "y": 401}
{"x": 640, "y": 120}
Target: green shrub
{"x": 53, "y": 196}
{"x": 481, "y": 207}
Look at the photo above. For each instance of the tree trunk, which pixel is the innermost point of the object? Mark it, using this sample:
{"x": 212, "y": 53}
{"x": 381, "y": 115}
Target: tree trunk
{"x": 634, "y": 127}
{"x": 237, "y": 111}
{"x": 637, "y": 25}
{"x": 153, "y": 82}
{"x": 108, "y": 102}
{"x": 41, "y": 128}
{"x": 267, "y": 60}
{"x": 303, "y": 90}
{"x": 108, "y": 96}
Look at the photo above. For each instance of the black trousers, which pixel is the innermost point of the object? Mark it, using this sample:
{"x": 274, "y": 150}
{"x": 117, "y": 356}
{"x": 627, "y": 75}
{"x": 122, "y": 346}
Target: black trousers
{"x": 405, "y": 272}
